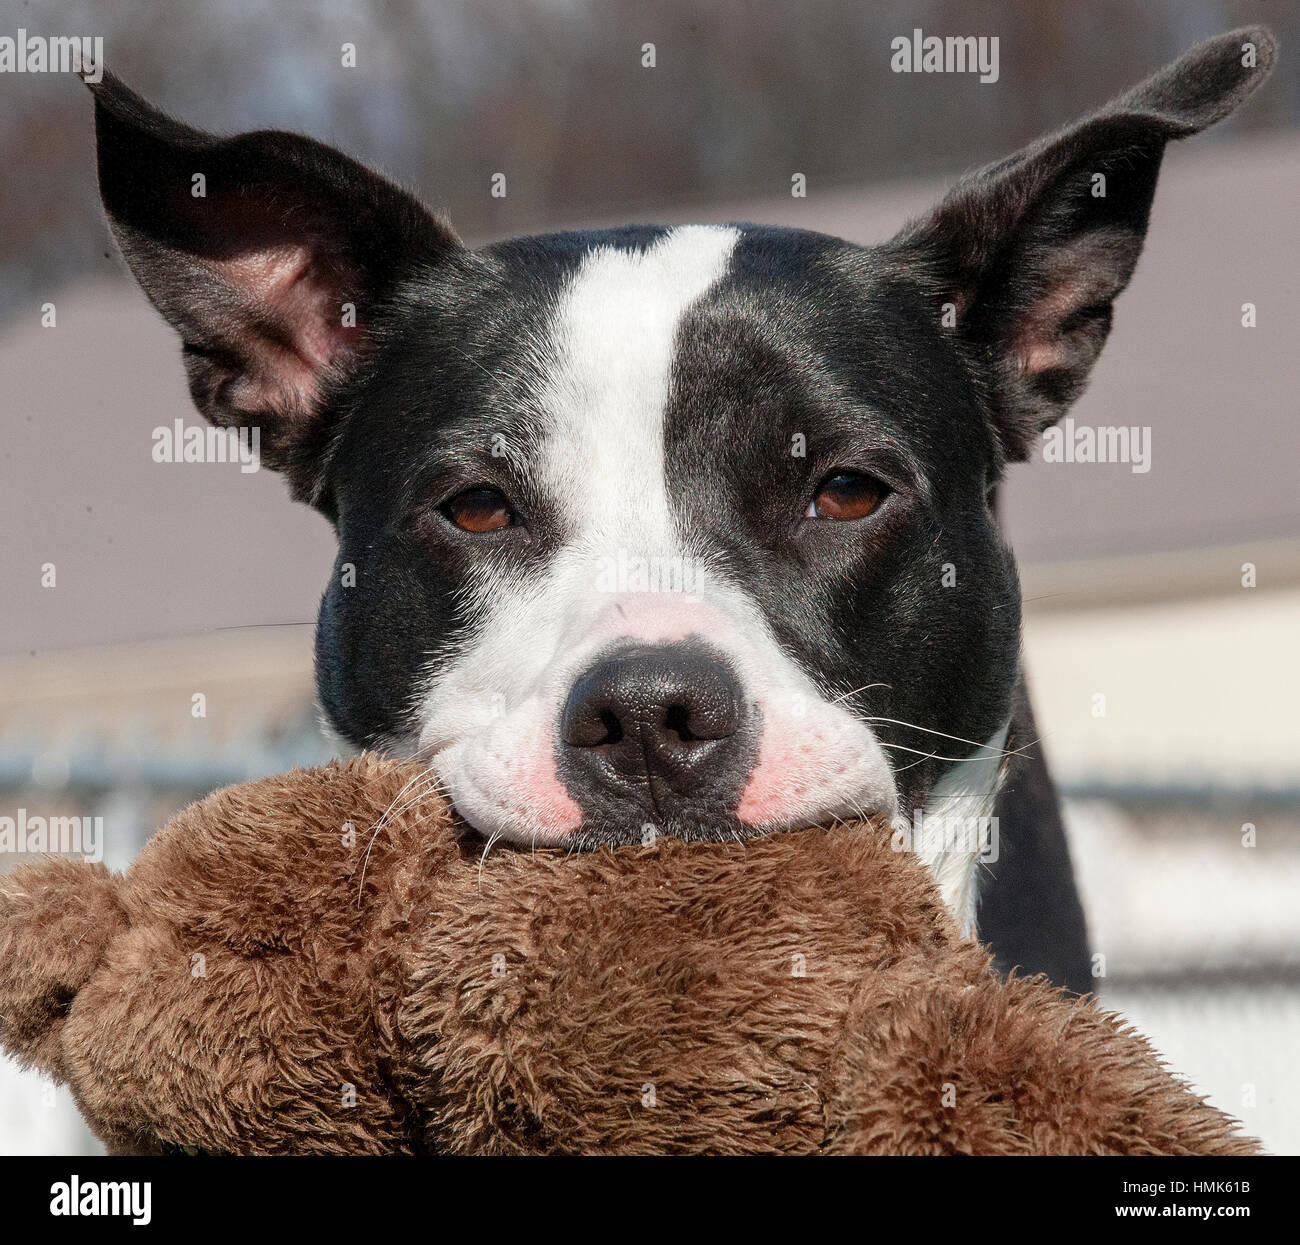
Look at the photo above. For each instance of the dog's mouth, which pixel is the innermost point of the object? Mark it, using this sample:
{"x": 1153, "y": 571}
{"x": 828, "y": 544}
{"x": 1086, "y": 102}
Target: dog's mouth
{"x": 705, "y": 826}
{"x": 717, "y": 828}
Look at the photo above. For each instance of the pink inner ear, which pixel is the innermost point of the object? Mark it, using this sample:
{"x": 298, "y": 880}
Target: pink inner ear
{"x": 1040, "y": 345}
{"x": 1087, "y": 272}
{"x": 286, "y": 325}
{"x": 1035, "y": 357}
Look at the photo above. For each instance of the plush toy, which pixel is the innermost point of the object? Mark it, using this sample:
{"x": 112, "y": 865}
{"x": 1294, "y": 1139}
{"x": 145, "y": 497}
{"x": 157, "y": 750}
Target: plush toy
{"x": 327, "y": 963}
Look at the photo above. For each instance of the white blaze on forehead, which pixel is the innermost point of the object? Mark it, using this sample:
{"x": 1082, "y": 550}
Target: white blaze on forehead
{"x": 613, "y": 339}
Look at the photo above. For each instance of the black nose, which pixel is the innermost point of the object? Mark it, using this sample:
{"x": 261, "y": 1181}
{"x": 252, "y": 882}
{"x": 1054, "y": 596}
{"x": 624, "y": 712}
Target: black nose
{"x": 656, "y": 724}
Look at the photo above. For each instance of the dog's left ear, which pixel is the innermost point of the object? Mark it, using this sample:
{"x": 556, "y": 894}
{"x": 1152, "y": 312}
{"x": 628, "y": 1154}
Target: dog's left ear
{"x": 1029, "y": 254}
{"x": 273, "y": 256}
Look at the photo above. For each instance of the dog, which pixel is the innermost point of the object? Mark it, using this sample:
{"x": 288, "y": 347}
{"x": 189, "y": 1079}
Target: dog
{"x": 685, "y": 530}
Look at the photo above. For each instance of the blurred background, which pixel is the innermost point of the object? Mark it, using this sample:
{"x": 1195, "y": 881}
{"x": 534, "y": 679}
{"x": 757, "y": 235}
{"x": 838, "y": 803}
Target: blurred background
{"x": 1174, "y": 594}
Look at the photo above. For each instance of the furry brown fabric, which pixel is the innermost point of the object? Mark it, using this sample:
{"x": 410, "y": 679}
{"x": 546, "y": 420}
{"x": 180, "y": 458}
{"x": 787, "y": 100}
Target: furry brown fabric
{"x": 242, "y": 989}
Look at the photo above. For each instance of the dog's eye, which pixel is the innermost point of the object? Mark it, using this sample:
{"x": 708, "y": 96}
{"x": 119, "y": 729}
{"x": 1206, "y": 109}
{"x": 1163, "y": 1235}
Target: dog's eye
{"x": 846, "y": 495}
{"x": 480, "y": 510}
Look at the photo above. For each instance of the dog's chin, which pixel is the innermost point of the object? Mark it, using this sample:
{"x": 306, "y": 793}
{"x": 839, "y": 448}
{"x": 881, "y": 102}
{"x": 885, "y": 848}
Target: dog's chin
{"x": 608, "y": 832}
{"x": 691, "y": 828}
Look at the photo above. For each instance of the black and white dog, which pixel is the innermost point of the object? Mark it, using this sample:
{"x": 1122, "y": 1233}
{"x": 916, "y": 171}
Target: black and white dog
{"x": 690, "y": 526}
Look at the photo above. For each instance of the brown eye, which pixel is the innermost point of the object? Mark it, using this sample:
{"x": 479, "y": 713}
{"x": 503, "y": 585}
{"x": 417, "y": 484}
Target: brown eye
{"x": 480, "y": 510}
{"x": 846, "y": 495}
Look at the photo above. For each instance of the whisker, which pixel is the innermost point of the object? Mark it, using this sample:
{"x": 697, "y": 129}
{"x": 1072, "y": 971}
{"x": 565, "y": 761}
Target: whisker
{"x": 410, "y": 782}
{"x": 434, "y": 787}
{"x": 438, "y": 787}
{"x": 925, "y": 756}
{"x": 912, "y": 726}
{"x": 857, "y": 691}
{"x": 902, "y": 769}
{"x": 391, "y": 811}
{"x": 487, "y": 847}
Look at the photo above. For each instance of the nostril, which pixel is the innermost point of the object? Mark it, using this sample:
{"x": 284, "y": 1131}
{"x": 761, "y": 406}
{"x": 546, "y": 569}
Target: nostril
{"x": 678, "y": 721}
{"x": 613, "y": 728}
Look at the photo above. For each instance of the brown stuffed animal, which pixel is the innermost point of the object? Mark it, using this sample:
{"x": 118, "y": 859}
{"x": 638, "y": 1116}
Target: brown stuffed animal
{"x": 266, "y": 979}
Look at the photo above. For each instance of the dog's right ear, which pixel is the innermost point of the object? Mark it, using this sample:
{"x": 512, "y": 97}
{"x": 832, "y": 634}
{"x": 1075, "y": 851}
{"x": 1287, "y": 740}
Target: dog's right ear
{"x": 270, "y": 253}
{"x": 1028, "y": 255}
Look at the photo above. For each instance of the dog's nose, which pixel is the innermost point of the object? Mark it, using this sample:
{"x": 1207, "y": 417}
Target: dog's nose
{"x": 652, "y": 722}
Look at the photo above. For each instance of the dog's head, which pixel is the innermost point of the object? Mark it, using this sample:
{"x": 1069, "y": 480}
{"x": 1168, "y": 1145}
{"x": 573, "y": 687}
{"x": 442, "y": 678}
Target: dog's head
{"x": 688, "y": 526}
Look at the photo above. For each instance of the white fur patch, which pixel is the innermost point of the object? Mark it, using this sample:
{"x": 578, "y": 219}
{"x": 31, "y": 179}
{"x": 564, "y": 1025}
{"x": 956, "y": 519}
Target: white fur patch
{"x": 959, "y": 814}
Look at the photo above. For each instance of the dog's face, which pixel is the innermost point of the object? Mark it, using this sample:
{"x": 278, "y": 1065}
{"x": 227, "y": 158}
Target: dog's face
{"x": 681, "y": 526}
{"x": 666, "y": 533}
